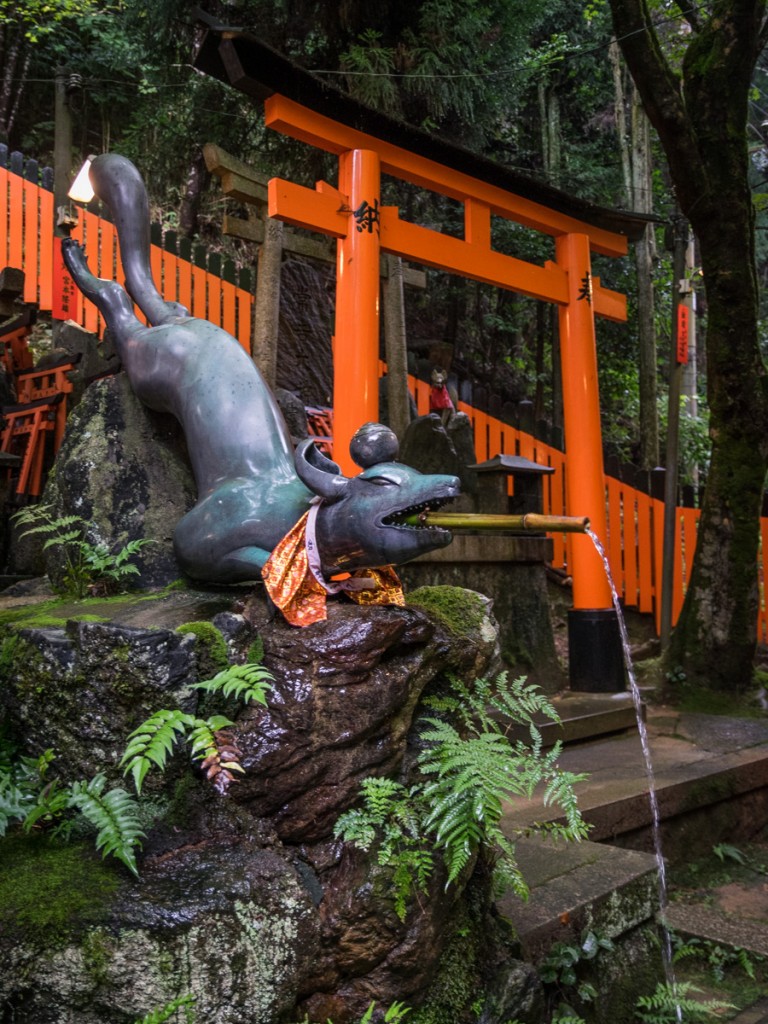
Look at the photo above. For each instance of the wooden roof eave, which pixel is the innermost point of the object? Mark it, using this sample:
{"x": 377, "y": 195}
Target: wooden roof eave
{"x": 249, "y": 65}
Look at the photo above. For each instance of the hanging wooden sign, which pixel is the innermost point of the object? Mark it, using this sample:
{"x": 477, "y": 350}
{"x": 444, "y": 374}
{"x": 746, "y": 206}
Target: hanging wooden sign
{"x": 683, "y": 316}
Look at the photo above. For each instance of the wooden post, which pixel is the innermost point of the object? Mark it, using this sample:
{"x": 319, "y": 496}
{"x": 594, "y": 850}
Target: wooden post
{"x": 395, "y": 345}
{"x": 596, "y": 662}
{"x": 356, "y": 342}
{"x": 266, "y": 314}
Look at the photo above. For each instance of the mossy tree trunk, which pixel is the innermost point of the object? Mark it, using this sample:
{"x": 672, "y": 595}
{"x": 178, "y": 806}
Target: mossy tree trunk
{"x": 700, "y": 114}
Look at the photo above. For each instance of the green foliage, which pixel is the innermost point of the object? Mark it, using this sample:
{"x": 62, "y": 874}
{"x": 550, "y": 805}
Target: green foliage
{"x": 392, "y": 819}
{"x": 39, "y": 17}
{"x": 246, "y": 682}
{"x": 152, "y": 742}
{"x": 114, "y": 813}
{"x": 88, "y": 568}
{"x": 725, "y": 852}
{"x": 672, "y": 1002}
{"x": 155, "y": 739}
{"x": 211, "y": 645}
{"x": 171, "y": 1011}
{"x": 48, "y": 887}
{"x": 456, "y": 806}
{"x": 717, "y": 959}
{"x": 559, "y": 969}
{"x": 393, "y": 1015}
{"x": 28, "y": 798}
{"x": 460, "y": 610}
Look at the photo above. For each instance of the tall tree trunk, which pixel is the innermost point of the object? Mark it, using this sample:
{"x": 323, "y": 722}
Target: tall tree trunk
{"x": 193, "y": 190}
{"x": 702, "y": 124}
{"x": 11, "y": 51}
{"x": 635, "y": 149}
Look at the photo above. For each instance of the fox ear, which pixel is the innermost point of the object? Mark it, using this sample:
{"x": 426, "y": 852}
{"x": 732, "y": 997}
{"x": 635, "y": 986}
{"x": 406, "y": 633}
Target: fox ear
{"x": 321, "y": 475}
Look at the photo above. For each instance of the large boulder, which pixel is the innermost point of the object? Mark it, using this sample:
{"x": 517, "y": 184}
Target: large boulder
{"x": 248, "y": 901}
{"x": 124, "y": 470}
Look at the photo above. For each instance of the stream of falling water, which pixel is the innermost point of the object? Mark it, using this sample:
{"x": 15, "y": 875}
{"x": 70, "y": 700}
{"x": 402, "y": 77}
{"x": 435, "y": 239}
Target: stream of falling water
{"x": 652, "y": 798}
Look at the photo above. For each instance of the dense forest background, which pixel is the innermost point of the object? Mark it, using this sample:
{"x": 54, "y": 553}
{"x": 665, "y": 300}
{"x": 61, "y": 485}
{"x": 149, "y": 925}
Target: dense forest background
{"x": 537, "y": 87}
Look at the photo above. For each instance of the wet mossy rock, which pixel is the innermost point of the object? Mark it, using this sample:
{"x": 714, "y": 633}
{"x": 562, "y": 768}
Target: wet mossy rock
{"x": 246, "y": 901}
{"x": 210, "y": 647}
{"x": 124, "y": 470}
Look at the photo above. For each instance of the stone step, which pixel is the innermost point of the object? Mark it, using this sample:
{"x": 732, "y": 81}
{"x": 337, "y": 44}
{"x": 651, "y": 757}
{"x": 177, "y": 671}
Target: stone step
{"x": 710, "y": 777}
{"x": 757, "y": 1013}
{"x": 704, "y": 922}
{"x": 578, "y": 885}
{"x": 584, "y": 717}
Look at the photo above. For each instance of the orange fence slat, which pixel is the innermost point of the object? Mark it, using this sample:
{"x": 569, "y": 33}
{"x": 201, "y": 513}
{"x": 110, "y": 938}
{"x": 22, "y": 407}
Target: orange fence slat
{"x": 213, "y": 286}
{"x": 228, "y": 317}
{"x": 198, "y": 305}
{"x": 526, "y": 445}
{"x": 657, "y": 543}
{"x": 16, "y": 222}
{"x": 185, "y": 283}
{"x": 629, "y": 546}
{"x": 31, "y": 255}
{"x": 645, "y": 576}
{"x": 615, "y": 532}
{"x": 45, "y": 281}
{"x": 156, "y": 266}
{"x": 481, "y": 436}
{"x": 4, "y": 215}
{"x": 108, "y": 237}
{"x": 244, "y": 318}
{"x": 170, "y": 289}
{"x": 495, "y": 446}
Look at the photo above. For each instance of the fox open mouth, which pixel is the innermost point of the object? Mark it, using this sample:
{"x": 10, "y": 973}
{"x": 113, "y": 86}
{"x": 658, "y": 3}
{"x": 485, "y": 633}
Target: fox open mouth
{"x": 415, "y": 512}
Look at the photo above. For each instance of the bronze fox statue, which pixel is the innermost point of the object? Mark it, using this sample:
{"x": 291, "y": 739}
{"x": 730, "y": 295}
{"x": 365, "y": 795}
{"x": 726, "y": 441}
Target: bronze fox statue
{"x": 252, "y": 487}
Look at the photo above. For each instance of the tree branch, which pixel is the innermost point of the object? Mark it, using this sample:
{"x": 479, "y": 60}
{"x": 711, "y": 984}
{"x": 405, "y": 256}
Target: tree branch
{"x": 691, "y": 14}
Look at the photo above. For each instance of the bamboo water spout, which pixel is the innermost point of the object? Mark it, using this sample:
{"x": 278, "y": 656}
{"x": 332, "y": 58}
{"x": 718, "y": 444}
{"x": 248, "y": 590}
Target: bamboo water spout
{"x": 531, "y": 522}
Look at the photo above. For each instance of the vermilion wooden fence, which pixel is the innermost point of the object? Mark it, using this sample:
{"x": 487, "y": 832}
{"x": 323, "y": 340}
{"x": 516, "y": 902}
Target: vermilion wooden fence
{"x": 193, "y": 278}
{"x": 635, "y": 519}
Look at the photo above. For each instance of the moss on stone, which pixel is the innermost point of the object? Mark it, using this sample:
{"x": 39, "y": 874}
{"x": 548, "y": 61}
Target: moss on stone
{"x": 50, "y": 889}
{"x": 462, "y": 611}
{"x": 210, "y": 647}
{"x": 456, "y": 992}
{"x": 255, "y": 653}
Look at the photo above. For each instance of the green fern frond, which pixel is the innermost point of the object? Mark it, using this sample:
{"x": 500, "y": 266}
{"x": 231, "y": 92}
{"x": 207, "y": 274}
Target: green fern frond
{"x": 165, "y": 1013}
{"x": 52, "y": 800}
{"x": 672, "y": 1002}
{"x": 152, "y": 743}
{"x": 202, "y": 735}
{"x": 115, "y": 814}
{"x": 246, "y": 682}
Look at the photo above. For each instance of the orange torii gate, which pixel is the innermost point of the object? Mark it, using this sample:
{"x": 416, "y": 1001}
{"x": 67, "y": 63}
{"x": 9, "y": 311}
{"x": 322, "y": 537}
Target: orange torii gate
{"x": 352, "y": 213}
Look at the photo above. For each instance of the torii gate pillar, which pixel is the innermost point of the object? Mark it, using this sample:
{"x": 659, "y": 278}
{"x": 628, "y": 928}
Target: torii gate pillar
{"x": 594, "y": 643}
{"x": 356, "y": 339}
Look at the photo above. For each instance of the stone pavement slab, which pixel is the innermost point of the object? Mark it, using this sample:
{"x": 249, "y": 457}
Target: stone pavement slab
{"x": 574, "y": 886}
{"x": 697, "y": 760}
{"x": 710, "y": 923}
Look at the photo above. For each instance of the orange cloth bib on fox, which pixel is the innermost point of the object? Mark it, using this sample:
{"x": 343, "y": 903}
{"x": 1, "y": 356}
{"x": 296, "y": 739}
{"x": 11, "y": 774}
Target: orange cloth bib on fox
{"x": 294, "y": 580}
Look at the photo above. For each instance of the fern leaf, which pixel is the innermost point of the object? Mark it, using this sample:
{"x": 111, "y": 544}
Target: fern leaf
{"x": 222, "y": 761}
{"x": 246, "y": 682}
{"x": 114, "y": 814}
{"x": 152, "y": 742}
{"x": 165, "y": 1013}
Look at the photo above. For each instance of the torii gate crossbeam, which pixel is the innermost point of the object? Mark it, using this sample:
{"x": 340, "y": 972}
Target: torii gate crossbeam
{"x": 353, "y": 214}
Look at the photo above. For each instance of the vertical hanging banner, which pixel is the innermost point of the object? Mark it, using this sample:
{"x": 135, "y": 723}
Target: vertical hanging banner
{"x": 65, "y": 296}
{"x": 683, "y": 316}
